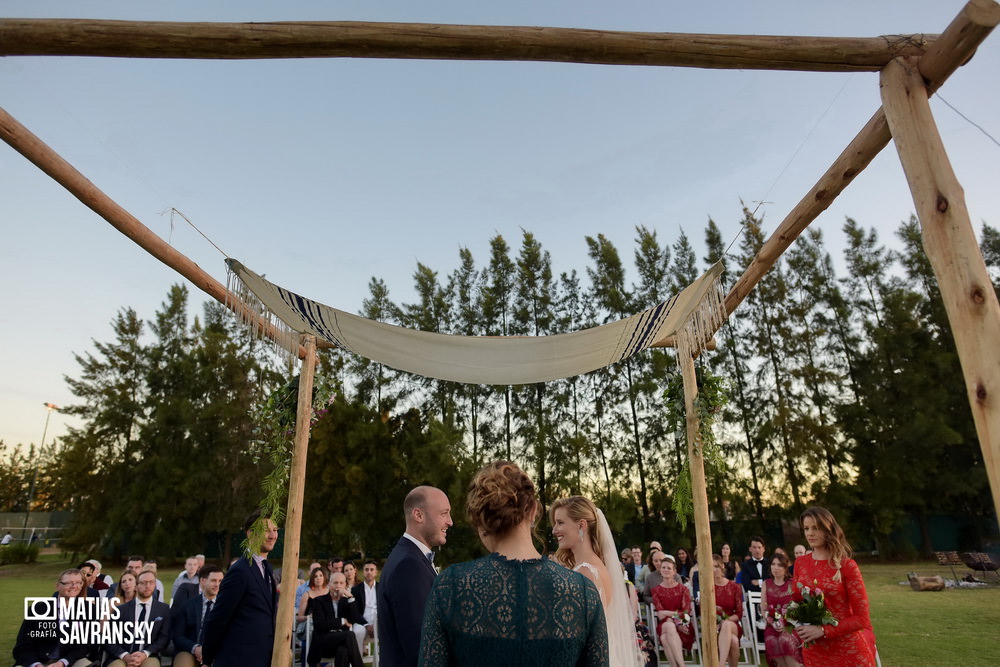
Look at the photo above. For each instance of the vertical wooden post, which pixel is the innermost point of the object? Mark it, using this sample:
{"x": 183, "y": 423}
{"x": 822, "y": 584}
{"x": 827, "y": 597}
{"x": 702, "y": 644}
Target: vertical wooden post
{"x": 702, "y": 524}
{"x": 951, "y": 247}
{"x": 281, "y": 655}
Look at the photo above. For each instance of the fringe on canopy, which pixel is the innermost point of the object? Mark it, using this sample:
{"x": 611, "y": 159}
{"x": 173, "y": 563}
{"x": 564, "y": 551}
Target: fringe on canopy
{"x": 703, "y": 322}
{"x": 259, "y": 320}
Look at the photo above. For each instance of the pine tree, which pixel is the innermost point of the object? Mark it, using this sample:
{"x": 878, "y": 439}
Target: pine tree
{"x": 607, "y": 278}
{"x": 498, "y": 284}
{"x": 533, "y": 316}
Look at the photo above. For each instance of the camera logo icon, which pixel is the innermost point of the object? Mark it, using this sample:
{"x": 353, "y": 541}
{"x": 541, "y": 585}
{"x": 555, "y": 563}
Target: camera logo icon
{"x": 40, "y": 609}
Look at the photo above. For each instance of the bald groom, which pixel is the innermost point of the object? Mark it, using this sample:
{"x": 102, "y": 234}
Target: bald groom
{"x": 409, "y": 574}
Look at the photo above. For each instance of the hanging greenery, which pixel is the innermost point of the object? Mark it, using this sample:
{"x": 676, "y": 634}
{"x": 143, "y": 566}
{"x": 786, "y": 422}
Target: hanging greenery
{"x": 275, "y": 427}
{"x": 713, "y": 395}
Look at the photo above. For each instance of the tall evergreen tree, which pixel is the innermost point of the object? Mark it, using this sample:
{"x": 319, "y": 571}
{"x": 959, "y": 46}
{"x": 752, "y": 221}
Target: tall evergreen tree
{"x": 607, "y": 277}
{"x": 498, "y": 284}
{"x": 534, "y": 303}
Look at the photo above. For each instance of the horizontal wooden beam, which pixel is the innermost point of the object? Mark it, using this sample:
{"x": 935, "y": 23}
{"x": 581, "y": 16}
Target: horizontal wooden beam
{"x": 951, "y": 50}
{"x": 352, "y": 39}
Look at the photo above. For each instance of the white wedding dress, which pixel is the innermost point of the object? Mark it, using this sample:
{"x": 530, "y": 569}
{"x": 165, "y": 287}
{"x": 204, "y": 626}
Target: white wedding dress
{"x": 623, "y": 649}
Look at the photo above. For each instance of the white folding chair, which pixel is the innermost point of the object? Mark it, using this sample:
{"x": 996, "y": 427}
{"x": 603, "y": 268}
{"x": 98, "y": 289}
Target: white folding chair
{"x": 748, "y": 651}
{"x": 753, "y": 610}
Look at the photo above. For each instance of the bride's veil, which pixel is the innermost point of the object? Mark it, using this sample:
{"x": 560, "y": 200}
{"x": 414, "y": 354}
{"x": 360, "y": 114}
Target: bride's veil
{"x": 622, "y": 644}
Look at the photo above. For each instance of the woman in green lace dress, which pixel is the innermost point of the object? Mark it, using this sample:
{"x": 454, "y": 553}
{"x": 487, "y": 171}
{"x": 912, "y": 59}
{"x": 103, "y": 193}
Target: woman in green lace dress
{"x": 514, "y": 606}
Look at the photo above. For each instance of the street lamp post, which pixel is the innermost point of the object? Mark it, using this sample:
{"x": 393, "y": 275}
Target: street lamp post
{"x": 50, "y": 407}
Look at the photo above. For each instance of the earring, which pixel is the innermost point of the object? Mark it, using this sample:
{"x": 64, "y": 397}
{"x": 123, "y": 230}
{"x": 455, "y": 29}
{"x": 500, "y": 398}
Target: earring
{"x": 579, "y": 531}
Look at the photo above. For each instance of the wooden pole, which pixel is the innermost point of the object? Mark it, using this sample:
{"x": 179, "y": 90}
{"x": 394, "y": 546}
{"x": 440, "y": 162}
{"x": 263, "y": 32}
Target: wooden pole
{"x": 281, "y": 654}
{"x": 702, "y": 522}
{"x": 42, "y": 156}
{"x": 950, "y": 244}
{"x": 352, "y": 39}
{"x": 952, "y": 49}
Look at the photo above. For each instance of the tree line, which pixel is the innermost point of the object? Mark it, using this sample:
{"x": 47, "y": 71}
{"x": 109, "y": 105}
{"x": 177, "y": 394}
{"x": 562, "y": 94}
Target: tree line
{"x": 840, "y": 389}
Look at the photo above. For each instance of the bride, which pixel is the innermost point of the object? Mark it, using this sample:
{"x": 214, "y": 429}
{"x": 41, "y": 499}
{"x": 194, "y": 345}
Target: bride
{"x": 587, "y": 546}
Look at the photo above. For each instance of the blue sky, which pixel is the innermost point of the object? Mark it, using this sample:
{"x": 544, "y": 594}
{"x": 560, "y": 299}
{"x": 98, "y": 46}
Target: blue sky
{"x": 324, "y": 173}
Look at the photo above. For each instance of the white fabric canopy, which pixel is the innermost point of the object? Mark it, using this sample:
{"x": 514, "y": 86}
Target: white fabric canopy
{"x": 483, "y": 359}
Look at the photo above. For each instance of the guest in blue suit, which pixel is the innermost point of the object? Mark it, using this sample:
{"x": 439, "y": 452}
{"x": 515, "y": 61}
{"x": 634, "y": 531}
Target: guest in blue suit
{"x": 409, "y": 574}
{"x": 187, "y": 621}
{"x": 239, "y": 631}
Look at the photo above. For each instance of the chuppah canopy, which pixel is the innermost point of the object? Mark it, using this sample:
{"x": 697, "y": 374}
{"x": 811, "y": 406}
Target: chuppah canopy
{"x": 693, "y": 316}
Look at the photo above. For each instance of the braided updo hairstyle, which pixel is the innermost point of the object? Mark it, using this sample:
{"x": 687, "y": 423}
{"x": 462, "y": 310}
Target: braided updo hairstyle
{"x": 501, "y": 497}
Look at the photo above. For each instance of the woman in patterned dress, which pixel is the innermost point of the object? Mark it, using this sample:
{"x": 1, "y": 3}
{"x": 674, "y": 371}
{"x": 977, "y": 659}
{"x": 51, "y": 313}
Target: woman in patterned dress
{"x": 729, "y": 606}
{"x": 672, "y": 601}
{"x": 831, "y": 569}
{"x": 514, "y": 607}
{"x": 783, "y": 648}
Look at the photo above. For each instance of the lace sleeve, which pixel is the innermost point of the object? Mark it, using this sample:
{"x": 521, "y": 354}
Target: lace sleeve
{"x": 857, "y": 598}
{"x": 435, "y": 649}
{"x": 595, "y": 652}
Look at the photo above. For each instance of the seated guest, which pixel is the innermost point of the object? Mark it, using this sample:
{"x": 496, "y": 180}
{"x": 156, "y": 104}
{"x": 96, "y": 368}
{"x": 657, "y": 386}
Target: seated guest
{"x": 319, "y": 584}
{"x": 133, "y": 565}
{"x": 647, "y": 569}
{"x": 186, "y": 624}
{"x": 102, "y": 582}
{"x": 351, "y": 574}
{"x": 87, "y": 572}
{"x": 672, "y": 602}
{"x": 650, "y": 575}
{"x": 36, "y": 644}
{"x": 143, "y": 608}
{"x": 150, "y": 564}
{"x": 304, "y": 586}
{"x": 356, "y": 610}
{"x": 727, "y": 562}
{"x": 783, "y": 649}
{"x": 757, "y": 568}
{"x": 684, "y": 564}
{"x": 125, "y": 588}
{"x": 188, "y": 576}
{"x": 334, "y": 616}
{"x": 729, "y": 607}
{"x": 366, "y": 596}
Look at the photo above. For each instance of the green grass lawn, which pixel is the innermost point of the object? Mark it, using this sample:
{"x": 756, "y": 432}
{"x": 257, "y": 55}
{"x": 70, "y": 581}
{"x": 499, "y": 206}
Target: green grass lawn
{"x": 953, "y": 627}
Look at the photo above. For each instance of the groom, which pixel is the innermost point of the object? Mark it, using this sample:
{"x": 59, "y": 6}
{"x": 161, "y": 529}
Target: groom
{"x": 409, "y": 574}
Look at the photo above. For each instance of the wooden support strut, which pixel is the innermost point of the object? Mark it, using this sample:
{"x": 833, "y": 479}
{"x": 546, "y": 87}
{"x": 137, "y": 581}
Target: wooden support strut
{"x": 355, "y": 39}
{"x": 42, "y": 156}
{"x": 702, "y": 524}
{"x": 950, "y": 244}
{"x": 281, "y": 654}
{"x": 951, "y": 50}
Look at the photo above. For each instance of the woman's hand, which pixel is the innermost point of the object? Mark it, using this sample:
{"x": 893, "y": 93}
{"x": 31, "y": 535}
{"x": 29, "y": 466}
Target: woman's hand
{"x": 810, "y": 633}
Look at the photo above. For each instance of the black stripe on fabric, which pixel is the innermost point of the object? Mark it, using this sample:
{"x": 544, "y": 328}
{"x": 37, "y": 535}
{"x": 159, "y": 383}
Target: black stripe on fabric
{"x": 647, "y": 328}
{"x": 299, "y": 304}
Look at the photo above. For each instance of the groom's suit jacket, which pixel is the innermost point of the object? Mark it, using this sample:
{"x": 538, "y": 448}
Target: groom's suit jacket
{"x": 402, "y": 594}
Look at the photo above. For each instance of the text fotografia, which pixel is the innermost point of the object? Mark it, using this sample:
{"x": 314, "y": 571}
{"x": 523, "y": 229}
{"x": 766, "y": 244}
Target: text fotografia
{"x": 84, "y": 621}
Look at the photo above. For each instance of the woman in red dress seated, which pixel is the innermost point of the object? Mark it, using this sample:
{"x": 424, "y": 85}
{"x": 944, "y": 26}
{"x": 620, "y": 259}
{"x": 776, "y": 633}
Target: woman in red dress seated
{"x": 672, "y": 601}
{"x": 729, "y": 610}
{"x": 831, "y": 569}
{"x": 783, "y": 648}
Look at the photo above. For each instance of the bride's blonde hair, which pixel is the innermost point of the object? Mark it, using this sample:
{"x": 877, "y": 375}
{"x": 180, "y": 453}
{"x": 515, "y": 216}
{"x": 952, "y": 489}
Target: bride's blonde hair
{"x": 578, "y": 508}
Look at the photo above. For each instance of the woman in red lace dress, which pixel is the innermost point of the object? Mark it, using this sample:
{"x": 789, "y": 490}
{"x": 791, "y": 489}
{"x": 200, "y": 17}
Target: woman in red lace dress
{"x": 831, "y": 569}
{"x": 729, "y": 607}
{"x": 783, "y": 648}
{"x": 672, "y": 601}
